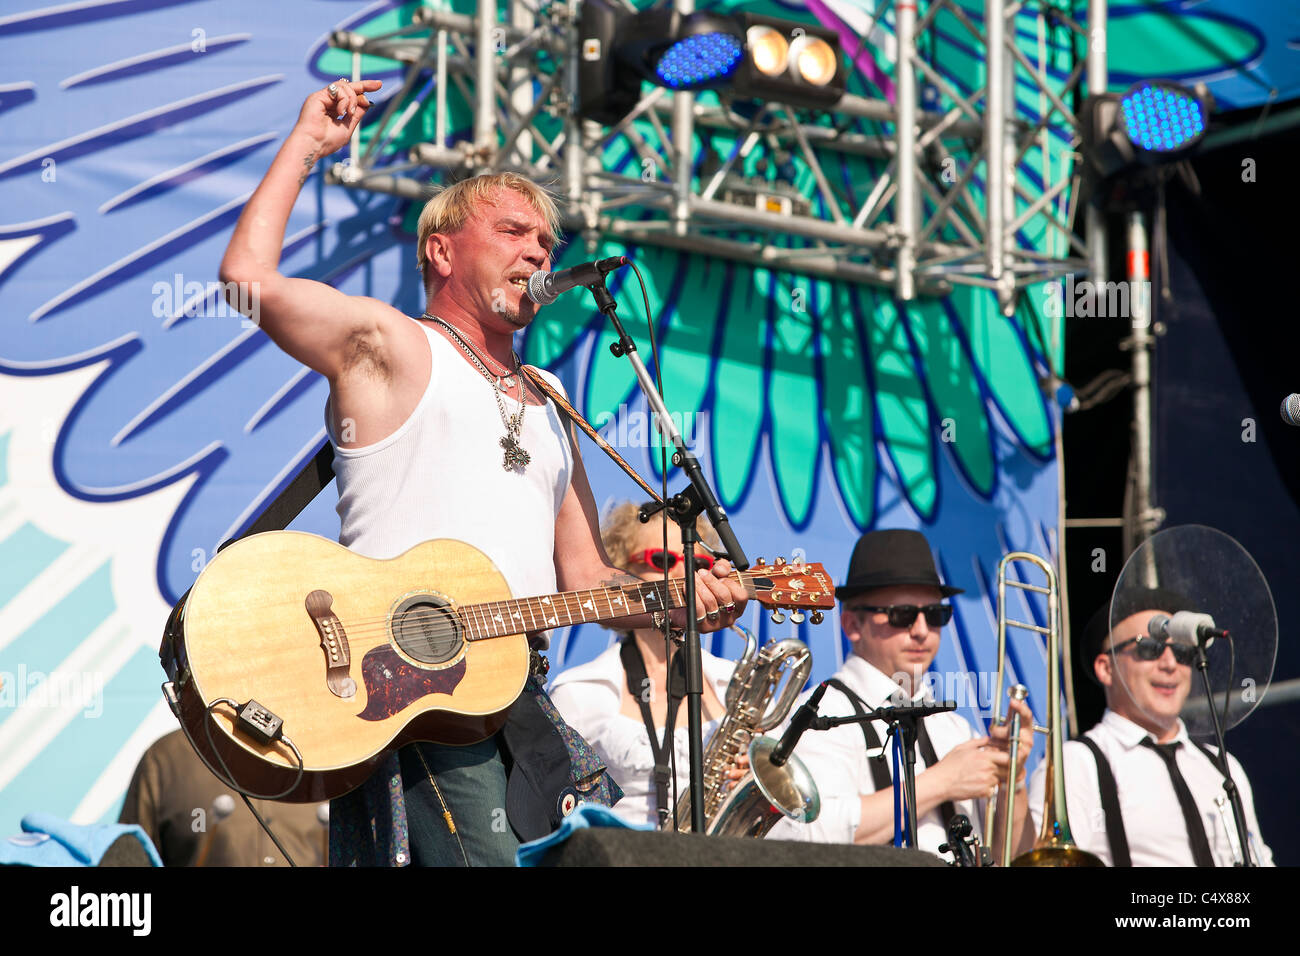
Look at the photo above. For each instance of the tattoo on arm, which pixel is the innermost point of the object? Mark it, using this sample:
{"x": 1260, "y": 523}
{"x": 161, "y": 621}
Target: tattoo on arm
{"x": 621, "y": 578}
{"x": 307, "y": 162}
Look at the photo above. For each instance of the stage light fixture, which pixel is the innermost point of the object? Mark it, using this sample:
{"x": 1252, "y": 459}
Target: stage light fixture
{"x": 1150, "y": 124}
{"x": 813, "y": 60}
{"x": 698, "y": 61}
{"x": 620, "y": 48}
{"x": 1162, "y": 117}
{"x": 789, "y": 62}
{"x": 745, "y": 56}
{"x": 768, "y": 49}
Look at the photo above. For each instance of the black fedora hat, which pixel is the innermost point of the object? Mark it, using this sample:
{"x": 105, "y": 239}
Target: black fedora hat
{"x": 882, "y": 559}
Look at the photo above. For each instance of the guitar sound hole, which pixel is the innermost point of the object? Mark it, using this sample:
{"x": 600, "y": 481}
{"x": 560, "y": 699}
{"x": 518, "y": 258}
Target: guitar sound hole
{"x": 426, "y": 630}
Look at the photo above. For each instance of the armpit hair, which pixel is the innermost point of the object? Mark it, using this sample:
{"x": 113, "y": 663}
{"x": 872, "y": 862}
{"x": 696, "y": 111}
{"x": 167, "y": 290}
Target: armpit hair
{"x": 360, "y": 355}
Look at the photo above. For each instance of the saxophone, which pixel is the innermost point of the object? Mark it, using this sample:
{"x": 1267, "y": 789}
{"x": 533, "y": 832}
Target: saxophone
{"x": 765, "y": 793}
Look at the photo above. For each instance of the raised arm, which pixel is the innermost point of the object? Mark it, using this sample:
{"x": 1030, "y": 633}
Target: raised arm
{"x": 311, "y": 321}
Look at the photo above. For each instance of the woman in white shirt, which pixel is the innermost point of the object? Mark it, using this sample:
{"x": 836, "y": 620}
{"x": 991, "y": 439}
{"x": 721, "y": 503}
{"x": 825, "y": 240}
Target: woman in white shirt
{"x": 608, "y": 699}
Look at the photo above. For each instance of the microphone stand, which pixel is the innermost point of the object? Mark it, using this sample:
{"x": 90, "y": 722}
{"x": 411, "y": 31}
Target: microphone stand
{"x": 683, "y": 508}
{"x": 1229, "y": 785}
{"x": 902, "y": 720}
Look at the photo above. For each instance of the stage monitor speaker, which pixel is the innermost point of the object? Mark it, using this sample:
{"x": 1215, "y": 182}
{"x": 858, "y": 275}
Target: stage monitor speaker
{"x": 612, "y": 847}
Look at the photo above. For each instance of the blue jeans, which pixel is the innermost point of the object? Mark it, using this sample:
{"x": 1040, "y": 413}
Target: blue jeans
{"x": 456, "y": 805}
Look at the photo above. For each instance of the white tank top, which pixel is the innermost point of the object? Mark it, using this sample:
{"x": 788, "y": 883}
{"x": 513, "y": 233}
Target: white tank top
{"x": 440, "y": 475}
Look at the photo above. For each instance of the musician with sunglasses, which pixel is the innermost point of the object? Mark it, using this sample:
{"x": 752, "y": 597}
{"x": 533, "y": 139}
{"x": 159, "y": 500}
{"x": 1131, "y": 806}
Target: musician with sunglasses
{"x": 628, "y": 702}
{"x": 1139, "y": 790}
{"x": 892, "y": 612}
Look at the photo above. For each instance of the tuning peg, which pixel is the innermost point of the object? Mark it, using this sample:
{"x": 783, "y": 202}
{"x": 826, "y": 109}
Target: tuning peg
{"x": 762, "y": 562}
{"x": 798, "y": 562}
{"x": 780, "y": 561}
{"x": 778, "y": 617}
{"x": 797, "y": 616}
{"x": 817, "y": 617}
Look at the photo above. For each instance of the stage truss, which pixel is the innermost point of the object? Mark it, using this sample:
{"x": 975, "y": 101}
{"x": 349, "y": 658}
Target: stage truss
{"x": 956, "y": 182}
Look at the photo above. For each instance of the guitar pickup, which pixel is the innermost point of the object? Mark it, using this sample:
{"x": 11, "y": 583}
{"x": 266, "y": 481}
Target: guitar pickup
{"x": 333, "y": 642}
{"x": 259, "y": 723}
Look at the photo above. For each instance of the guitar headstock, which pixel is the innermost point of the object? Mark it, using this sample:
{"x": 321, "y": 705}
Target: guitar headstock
{"x": 793, "y": 586}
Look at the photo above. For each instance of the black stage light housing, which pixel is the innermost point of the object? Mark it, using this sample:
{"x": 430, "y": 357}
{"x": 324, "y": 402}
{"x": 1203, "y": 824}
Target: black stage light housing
{"x": 787, "y": 61}
{"x": 607, "y": 87}
{"x": 618, "y": 49}
{"x": 1152, "y": 123}
{"x": 745, "y": 56}
{"x": 695, "y": 51}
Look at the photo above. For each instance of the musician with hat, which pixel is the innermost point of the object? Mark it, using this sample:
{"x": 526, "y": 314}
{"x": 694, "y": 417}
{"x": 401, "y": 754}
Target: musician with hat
{"x": 1139, "y": 790}
{"x": 892, "y": 611}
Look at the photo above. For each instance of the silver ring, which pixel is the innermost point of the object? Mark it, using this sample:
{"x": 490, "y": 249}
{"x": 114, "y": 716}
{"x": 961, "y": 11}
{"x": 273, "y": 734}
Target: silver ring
{"x": 711, "y": 615}
{"x": 333, "y": 90}
{"x": 729, "y": 607}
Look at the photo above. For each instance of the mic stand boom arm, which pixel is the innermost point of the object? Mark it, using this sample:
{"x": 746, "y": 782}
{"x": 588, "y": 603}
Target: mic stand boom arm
{"x": 902, "y": 720}
{"x": 684, "y": 509}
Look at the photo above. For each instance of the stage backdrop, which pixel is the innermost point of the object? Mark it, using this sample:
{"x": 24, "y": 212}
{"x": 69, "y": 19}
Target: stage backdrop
{"x": 141, "y": 424}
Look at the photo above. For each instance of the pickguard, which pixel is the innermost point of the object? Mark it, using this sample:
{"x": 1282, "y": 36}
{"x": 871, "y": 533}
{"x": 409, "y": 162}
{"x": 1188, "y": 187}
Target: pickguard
{"x": 393, "y": 683}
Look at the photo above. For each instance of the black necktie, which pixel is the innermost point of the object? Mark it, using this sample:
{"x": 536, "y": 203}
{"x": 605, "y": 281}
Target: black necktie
{"x": 1191, "y": 816}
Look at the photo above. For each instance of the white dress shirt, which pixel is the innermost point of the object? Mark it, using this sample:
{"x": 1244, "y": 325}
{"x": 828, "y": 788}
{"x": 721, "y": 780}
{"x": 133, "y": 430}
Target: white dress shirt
{"x": 589, "y": 697}
{"x": 837, "y": 760}
{"x": 1153, "y": 820}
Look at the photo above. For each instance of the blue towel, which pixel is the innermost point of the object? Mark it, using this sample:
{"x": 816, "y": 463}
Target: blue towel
{"x": 48, "y": 840}
{"x": 583, "y": 815}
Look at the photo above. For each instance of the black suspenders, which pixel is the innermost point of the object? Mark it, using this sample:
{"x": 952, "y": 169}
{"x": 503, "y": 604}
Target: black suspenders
{"x": 879, "y": 771}
{"x": 1115, "y": 832}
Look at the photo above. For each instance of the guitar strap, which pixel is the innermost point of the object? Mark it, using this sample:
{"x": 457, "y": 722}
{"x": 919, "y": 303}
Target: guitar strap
{"x": 297, "y": 495}
{"x": 575, "y": 416}
{"x": 637, "y": 682}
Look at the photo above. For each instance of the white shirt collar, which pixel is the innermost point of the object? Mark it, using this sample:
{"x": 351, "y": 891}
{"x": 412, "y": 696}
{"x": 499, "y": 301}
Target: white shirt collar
{"x": 872, "y": 684}
{"x": 1131, "y": 735}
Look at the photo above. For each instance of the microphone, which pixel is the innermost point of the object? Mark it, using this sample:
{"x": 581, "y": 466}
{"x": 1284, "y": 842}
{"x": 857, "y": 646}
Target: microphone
{"x": 803, "y": 718}
{"x": 222, "y": 806}
{"x": 1291, "y": 409}
{"x": 545, "y": 287}
{"x": 1185, "y": 627}
{"x": 323, "y": 818}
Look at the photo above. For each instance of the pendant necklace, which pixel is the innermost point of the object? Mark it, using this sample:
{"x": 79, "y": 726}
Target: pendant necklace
{"x": 515, "y": 455}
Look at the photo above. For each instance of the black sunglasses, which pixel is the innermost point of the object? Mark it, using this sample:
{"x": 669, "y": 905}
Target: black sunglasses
{"x": 1149, "y": 649}
{"x": 903, "y": 615}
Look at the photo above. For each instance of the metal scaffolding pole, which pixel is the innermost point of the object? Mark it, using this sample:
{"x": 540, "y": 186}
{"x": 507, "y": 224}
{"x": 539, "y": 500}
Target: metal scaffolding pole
{"x": 1098, "y": 82}
{"x": 1143, "y": 517}
{"x": 523, "y": 20}
{"x": 906, "y": 213}
{"x": 995, "y": 118}
{"x": 683, "y": 146}
{"x": 485, "y": 112}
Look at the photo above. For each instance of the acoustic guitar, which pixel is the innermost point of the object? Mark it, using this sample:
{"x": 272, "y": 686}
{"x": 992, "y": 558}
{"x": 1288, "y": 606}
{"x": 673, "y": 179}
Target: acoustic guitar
{"x": 295, "y": 665}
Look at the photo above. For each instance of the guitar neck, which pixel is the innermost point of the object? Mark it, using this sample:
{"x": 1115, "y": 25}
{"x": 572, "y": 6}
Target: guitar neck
{"x": 499, "y": 618}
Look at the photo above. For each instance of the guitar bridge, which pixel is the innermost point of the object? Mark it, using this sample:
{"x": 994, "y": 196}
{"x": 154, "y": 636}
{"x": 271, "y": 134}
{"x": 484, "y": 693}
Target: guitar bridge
{"x": 334, "y": 643}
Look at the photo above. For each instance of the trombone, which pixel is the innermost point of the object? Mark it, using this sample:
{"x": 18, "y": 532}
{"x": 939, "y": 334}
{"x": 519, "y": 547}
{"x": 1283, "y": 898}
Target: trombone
{"x": 1055, "y": 846}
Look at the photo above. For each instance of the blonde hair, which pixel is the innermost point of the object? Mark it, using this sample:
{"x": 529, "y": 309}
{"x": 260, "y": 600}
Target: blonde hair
{"x": 621, "y": 527}
{"x": 452, "y": 206}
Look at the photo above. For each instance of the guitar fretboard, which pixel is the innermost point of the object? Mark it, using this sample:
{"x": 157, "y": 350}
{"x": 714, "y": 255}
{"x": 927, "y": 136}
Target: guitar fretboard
{"x": 519, "y": 615}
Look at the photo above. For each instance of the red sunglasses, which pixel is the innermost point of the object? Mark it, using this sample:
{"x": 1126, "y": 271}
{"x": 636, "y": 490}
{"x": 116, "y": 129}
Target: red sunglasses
{"x": 666, "y": 560}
